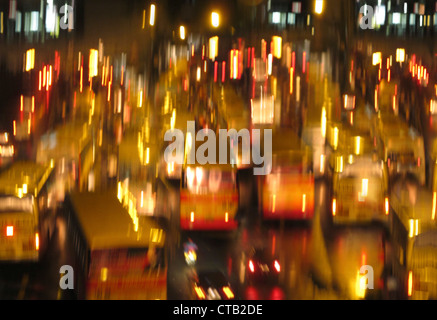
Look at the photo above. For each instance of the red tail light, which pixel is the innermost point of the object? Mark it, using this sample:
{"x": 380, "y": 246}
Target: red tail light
{"x": 277, "y": 266}
{"x": 9, "y": 231}
{"x": 251, "y": 266}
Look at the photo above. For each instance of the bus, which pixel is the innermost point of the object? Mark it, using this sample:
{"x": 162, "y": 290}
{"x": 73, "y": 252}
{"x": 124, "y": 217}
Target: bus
{"x": 288, "y": 191}
{"x": 117, "y": 254}
{"x": 209, "y": 194}
{"x": 209, "y": 197}
{"x": 360, "y": 191}
{"x": 403, "y": 148}
{"x": 26, "y": 223}
{"x": 414, "y": 233}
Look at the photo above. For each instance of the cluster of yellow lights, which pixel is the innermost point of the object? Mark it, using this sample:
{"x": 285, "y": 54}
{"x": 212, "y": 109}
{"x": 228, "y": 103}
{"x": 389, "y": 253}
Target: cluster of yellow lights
{"x": 400, "y": 55}
{"x": 93, "y": 63}
{"x": 156, "y": 235}
{"x": 30, "y": 59}
{"x": 213, "y": 47}
{"x": 173, "y": 119}
{"x": 144, "y": 159}
{"x": 215, "y": 19}
{"x": 128, "y": 201}
{"x": 377, "y": 58}
{"x": 182, "y": 32}
{"x": 414, "y": 227}
{"x": 152, "y": 15}
{"x": 319, "y": 6}
{"x": 277, "y": 47}
{"x": 361, "y": 285}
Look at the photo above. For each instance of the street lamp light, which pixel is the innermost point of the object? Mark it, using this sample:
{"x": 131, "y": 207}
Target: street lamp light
{"x": 319, "y": 6}
{"x": 182, "y": 32}
{"x": 215, "y": 19}
{"x": 152, "y": 15}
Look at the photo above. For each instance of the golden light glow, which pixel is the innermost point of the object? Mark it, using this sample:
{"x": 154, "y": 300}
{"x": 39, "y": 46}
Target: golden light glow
{"x": 277, "y": 47}
{"x": 364, "y": 187}
{"x": 414, "y": 227}
{"x": 93, "y": 63}
{"x": 192, "y": 216}
{"x": 376, "y": 100}
{"x": 387, "y": 206}
{"x": 335, "y": 142}
{"x": 323, "y": 122}
{"x": 319, "y": 6}
{"x": 198, "y": 73}
{"x": 434, "y": 204}
{"x": 274, "y": 204}
{"x": 357, "y": 145}
{"x": 103, "y": 274}
{"x": 377, "y": 58}
{"x": 152, "y": 15}
{"x": 304, "y": 200}
{"x": 215, "y": 19}
{"x": 213, "y": 47}
{"x": 156, "y": 235}
{"x": 360, "y": 285}
{"x": 9, "y": 231}
{"x": 200, "y": 293}
{"x": 147, "y": 155}
{"x": 228, "y": 292}
{"x": 144, "y": 18}
{"x": 30, "y": 59}
{"x": 334, "y": 207}
{"x": 182, "y": 32}
{"x": 410, "y": 283}
{"x": 322, "y": 163}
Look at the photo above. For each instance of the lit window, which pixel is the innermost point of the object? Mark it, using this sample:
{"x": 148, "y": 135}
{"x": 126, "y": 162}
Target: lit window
{"x": 276, "y": 17}
{"x": 396, "y": 18}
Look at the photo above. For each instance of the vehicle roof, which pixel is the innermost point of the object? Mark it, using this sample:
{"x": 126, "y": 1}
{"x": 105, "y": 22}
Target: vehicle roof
{"x": 413, "y": 202}
{"x": 107, "y": 224}
{"x": 20, "y": 172}
{"x": 66, "y": 140}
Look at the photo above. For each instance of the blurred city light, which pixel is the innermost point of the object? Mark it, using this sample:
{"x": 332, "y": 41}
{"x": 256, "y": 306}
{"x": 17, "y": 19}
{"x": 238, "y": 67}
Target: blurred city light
{"x": 30, "y": 59}
{"x": 319, "y": 6}
{"x": 215, "y": 19}
{"x": 152, "y": 15}
{"x": 182, "y": 32}
{"x": 213, "y": 47}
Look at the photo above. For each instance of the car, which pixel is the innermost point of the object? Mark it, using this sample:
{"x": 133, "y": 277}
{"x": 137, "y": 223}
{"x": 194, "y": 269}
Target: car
{"x": 262, "y": 266}
{"x": 212, "y": 285}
